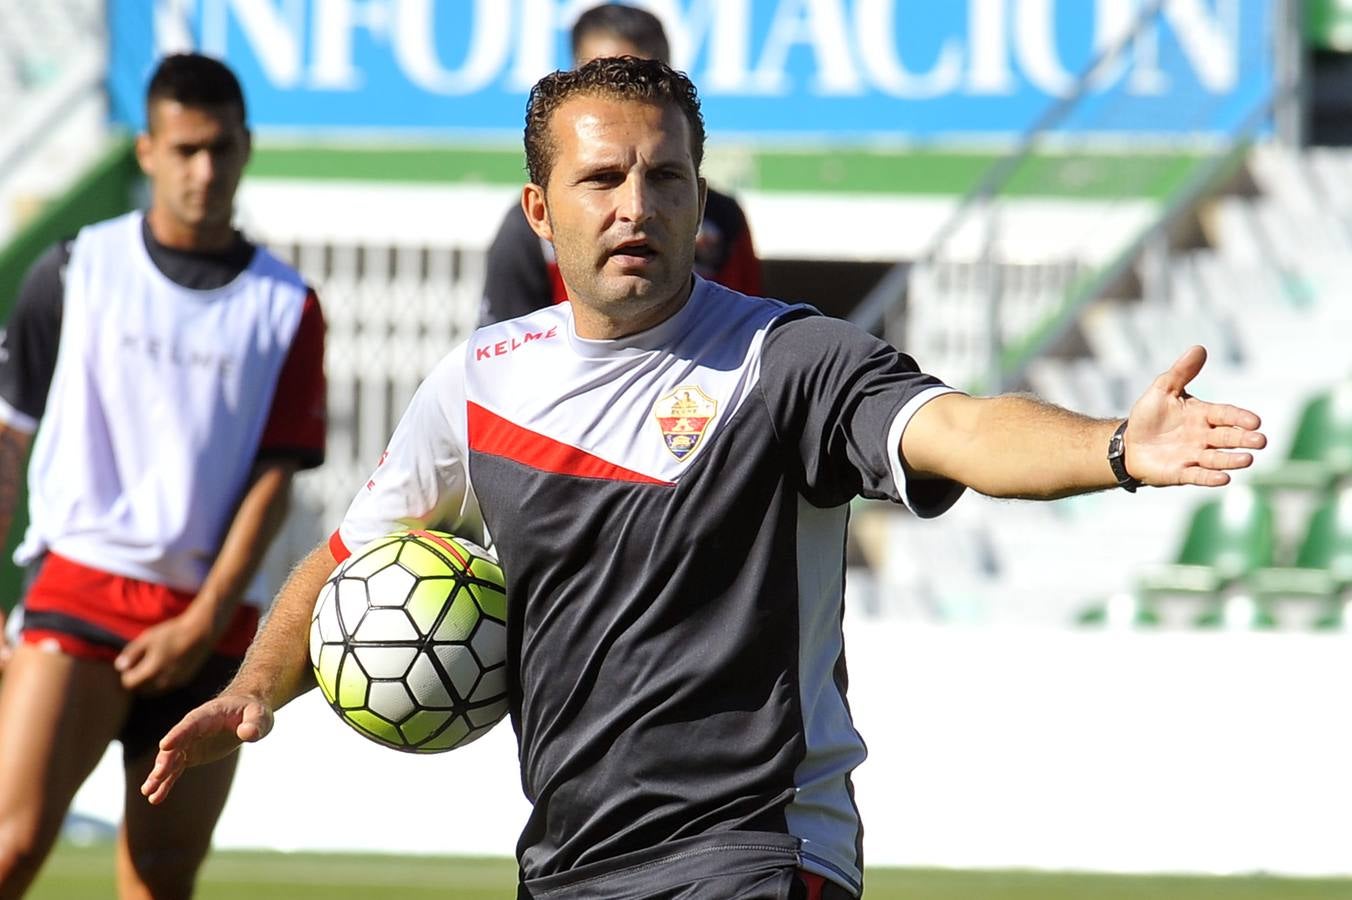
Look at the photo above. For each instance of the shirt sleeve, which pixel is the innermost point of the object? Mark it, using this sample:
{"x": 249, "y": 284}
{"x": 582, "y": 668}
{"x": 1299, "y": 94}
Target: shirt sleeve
{"x": 516, "y": 278}
{"x": 422, "y": 479}
{"x": 297, "y": 423}
{"x": 840, "y": 399}
{"x": 31, "y": 339}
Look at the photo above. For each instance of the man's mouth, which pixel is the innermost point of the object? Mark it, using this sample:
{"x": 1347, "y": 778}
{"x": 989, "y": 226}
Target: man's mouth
{"x": 633, "y": 252}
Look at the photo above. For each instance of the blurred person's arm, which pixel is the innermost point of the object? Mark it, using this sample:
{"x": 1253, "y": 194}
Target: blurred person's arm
{"x": 28, "y": 351}
{"x": 516, "y": 277}
{"x": 169, "y": 653}
{"x": 13, "y": 450}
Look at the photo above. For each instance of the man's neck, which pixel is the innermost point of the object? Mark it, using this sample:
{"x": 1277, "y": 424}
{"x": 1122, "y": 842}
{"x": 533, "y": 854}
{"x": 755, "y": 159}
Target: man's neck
{"x": 177, "y": 236}
{"x": 592, "y": 325}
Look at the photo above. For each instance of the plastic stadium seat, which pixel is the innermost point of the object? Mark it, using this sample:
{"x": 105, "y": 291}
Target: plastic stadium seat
{"x": 1125, "y": 610}
{"x": 1322, "y": 450}
{"x": 1323, "y": 565}
{"x": 1226, "y": 541}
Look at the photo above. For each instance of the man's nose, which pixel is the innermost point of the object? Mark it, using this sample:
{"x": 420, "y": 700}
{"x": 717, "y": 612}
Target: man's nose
{"x": 203, "y": 165}
{"x": 635, "y": 199}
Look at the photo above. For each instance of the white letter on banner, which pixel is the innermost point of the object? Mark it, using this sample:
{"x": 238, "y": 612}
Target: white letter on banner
{"x": 173, "y": 27}
{"x": 1210, "y": 42}
{"x": 1113, "y": 21}
{"x": 875, "y": 29}
{"x": 1036, "y": 43}
{"x": 1035, "y": 30}
{"x": 415, "y": 47}
{"x": 332, "y": 68}
{"x": 822, "y": 28}
{"x": 725, "y": 25}
{"x": 273, "y": 34}
{"x": 537, "y": 31}
{"x": 988, "y": 39}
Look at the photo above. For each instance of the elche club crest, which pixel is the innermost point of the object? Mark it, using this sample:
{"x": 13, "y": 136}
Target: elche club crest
{"x": 683, "y": 415}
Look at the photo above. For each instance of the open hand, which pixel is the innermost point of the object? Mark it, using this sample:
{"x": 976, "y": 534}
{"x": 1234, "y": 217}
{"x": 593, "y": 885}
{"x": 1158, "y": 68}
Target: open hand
{"x": 1174, "y": 438}
{"x": 211, "y": 731}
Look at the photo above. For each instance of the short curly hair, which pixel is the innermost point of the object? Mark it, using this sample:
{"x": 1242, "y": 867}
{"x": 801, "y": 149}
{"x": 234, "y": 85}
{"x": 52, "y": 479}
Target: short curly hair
{"x": 621, "y": 78}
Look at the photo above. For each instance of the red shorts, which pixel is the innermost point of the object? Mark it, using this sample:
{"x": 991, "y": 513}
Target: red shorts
{"x": 92, "y": 614}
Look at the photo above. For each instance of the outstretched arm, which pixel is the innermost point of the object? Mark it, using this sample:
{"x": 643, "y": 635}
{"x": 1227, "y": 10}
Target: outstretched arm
{"x": 275, "y": 671}
{"x": 1013, "y": 446}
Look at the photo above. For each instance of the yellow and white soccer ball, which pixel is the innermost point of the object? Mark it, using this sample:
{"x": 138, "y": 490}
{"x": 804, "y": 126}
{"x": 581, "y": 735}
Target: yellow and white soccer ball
{"x": 409, "y": 641}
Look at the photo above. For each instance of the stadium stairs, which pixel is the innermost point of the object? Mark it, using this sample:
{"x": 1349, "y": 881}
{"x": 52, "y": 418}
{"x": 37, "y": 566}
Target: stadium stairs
{"x": 51, "y": 101}
{"x": 1265, "y": 292}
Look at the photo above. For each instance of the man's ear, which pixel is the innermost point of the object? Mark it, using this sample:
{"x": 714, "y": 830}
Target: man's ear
{"x": 143, "y": 155}
{"x": 703, "y": 195}
{"x": 537, "y": 211}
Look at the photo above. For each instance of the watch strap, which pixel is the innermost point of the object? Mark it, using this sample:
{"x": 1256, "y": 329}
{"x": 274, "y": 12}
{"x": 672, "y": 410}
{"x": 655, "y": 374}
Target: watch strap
{"x": 1117, "y": 460}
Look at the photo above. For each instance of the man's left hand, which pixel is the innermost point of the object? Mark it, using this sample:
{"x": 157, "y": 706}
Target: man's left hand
{"x": 1174, "y": 438}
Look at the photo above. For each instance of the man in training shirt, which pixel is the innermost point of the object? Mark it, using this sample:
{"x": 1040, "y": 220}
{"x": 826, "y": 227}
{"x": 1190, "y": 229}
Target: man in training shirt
{"x": 522, "y": 272}
{"x": 665, "y": 467}
{"x": 173, "y": 374}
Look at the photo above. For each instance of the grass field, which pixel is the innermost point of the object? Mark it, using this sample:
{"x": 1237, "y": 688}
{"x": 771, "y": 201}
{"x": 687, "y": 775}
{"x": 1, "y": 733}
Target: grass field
{"x": 76, "y": 873}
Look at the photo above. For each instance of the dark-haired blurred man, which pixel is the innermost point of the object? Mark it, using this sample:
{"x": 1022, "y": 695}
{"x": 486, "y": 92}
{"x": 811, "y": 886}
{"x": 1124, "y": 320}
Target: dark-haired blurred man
{"x": 523, "y": 270}
{"x": 172, "y": 373}
{"x": 666, "y": 467}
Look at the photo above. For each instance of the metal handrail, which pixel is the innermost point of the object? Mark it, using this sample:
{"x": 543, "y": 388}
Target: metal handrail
{"x": 891, "y": 290}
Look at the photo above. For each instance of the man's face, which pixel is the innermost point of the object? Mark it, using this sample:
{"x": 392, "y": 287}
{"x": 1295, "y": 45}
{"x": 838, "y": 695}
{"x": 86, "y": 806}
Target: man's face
{"x": 194, "y": 157}
{"x": 622, "y": 208}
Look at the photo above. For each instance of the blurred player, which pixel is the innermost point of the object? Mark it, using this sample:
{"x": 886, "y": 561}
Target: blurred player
{"x": 522, "y": 271}
{"x": 666, "y": 467}
{"x": 173, "y": 373}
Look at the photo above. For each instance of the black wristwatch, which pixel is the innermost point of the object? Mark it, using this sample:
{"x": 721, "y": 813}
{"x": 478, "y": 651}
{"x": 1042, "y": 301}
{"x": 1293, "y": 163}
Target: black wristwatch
{"x": 1117, "y": 459}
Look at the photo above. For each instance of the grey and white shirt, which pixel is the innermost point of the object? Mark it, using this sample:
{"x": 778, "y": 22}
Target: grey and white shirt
{"x": 670, "y": 512}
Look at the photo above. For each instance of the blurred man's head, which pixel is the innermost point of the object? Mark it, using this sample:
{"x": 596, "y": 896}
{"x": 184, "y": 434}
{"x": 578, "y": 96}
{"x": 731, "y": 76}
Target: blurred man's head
{"x": 614, "y": 150}
{"x": 192, "y": 79}
{"x": 194, "y": 149}
{"x": 616, "y": 30}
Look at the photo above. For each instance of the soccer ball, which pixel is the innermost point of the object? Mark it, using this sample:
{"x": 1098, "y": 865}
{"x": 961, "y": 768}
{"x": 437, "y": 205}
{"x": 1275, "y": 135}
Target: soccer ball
{"x": 409, "y": 641}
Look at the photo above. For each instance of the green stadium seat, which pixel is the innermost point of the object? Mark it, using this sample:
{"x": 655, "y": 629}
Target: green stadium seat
{"x": 1126, "y": 610}
{"x": 1322, "y": 450}
{"x": 1226, "y": 541}
{"x": 1322, "y": 569}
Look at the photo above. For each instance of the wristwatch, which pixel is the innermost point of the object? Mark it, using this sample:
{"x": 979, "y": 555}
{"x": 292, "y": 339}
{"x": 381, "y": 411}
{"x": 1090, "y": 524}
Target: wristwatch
{"x": 1117, "y": 459}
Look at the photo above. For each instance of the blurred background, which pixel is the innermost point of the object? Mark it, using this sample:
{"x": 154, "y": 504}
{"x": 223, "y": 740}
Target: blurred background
{"x": 1024, "y": 195}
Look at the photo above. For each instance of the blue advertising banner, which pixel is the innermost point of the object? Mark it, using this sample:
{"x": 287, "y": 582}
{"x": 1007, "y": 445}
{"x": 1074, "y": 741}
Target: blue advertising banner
{"x": 834, "y": 69}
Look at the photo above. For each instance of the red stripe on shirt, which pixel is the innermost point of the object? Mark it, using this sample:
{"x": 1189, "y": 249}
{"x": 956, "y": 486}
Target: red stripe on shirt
{"x": 338, "y": 548}
{"x": 492, "y": 434}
